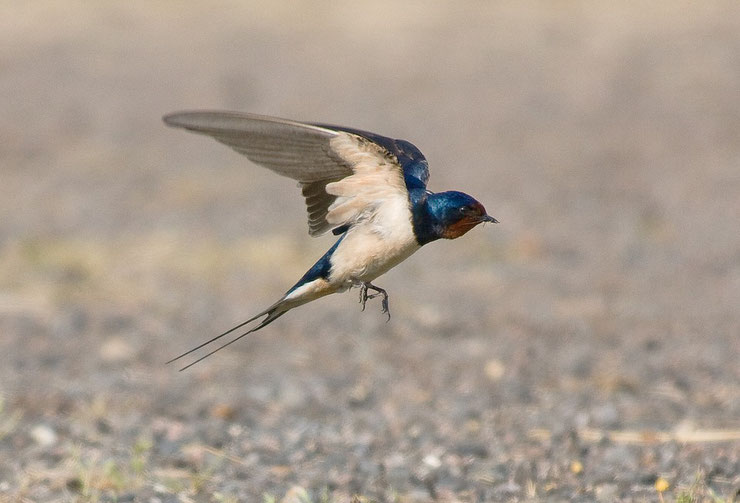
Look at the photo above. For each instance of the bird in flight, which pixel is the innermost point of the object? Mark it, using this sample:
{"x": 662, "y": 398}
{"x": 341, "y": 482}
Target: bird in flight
{"x": 367, "y": 189}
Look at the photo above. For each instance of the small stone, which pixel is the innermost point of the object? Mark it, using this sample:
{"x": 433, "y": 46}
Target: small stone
{"x": 44, "y": 435}
{"x": 494, "y": 370}
{"x": 116, "y": 349}
{"x": 432, "y": 461}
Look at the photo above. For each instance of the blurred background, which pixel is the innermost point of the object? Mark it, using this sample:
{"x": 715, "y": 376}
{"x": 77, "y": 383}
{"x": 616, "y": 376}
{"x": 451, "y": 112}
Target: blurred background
{"x": 584, "y": 349}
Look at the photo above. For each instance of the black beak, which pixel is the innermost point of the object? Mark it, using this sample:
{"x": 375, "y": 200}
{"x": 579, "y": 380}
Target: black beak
{"x": 488, "y": 218}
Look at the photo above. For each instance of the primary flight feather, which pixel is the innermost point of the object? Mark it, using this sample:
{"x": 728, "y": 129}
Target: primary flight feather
{"x": 368, "y": 189}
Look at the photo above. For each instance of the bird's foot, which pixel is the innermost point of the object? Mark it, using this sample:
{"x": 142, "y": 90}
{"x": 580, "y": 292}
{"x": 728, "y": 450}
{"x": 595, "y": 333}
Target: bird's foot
{"x": 364, "y": 296}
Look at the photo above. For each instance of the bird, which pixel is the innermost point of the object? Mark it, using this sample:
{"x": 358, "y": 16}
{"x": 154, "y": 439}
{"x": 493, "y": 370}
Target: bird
{"x": 367, "y": 189}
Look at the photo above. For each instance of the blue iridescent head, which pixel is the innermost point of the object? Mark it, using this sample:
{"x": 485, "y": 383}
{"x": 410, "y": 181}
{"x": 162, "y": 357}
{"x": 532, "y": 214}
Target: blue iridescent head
{"x": 453, "y": 213}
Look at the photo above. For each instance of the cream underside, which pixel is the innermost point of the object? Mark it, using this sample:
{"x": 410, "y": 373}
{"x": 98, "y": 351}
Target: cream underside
{"x": 374, "y": 200}
{"x": 308, "y": 292}
{"x": 368, "y": 251}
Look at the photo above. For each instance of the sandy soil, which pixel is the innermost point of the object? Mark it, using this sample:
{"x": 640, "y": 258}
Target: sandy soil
{"x": 585, "y": 349}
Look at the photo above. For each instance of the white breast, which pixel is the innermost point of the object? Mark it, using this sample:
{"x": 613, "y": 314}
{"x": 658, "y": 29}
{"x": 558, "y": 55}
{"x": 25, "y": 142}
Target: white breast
{"x": 380, "y": 241}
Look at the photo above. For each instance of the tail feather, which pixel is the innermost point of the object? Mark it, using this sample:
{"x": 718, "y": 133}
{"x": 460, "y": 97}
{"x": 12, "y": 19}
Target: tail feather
{"x": 273, "y": 312}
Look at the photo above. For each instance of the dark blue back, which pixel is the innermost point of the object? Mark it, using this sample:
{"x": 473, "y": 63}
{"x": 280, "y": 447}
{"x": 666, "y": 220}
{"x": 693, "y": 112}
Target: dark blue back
{"x": 413, "y": 162}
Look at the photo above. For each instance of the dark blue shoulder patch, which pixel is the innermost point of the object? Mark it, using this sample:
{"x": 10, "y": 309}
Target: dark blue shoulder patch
{"x": 340, "y": 230}
{"x": 320, "y": 269}
{"x": 412, "y": 161}
{"x": 414, "y": 164}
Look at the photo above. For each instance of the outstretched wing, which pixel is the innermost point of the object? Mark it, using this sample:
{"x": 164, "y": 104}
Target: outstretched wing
{"x": 345, "y": 174}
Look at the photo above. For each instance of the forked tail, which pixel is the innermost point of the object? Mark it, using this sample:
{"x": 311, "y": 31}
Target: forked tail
{"x": 273, "y": 312}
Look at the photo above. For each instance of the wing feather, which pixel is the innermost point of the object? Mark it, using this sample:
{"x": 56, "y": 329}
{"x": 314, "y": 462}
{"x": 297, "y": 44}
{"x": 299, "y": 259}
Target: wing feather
{"x": 293, "y": 149}
{"x": 344, "y": 174}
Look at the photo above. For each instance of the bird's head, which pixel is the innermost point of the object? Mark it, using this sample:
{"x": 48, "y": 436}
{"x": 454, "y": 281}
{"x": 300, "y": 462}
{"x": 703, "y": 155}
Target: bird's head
{"x": 455, "y": 213}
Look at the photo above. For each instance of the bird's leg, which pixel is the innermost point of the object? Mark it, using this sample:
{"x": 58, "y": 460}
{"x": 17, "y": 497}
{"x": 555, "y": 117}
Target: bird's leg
{"x": 363, "y": 295}
{"x": 379, "y": 291}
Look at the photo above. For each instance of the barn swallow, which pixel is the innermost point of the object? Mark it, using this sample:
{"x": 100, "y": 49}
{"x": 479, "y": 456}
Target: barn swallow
{"x": 368, "y": 189}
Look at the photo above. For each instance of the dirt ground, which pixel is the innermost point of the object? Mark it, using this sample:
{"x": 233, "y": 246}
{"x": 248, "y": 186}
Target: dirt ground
{"x": 584, "y": 349}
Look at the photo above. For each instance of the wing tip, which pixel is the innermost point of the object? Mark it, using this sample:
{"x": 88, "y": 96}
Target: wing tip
{"x": 202, "y": 119}
{"x": 189, "y": 118}
{"x": 212, "y": 121}
{"x": 175, "y": 119}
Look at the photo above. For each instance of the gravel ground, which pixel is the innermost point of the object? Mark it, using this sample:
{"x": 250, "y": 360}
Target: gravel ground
{"x": 585, "y": 349}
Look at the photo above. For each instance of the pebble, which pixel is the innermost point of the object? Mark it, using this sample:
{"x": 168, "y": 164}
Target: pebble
{"x": 432, "y": 461}
{"x": 116, "y": 349}
{"x": 494, "y": 369}
{"x": 44, "y": 435}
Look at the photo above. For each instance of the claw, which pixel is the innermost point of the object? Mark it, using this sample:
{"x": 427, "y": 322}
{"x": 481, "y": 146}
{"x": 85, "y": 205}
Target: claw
{"x": 364, "y": 297}
{"x": 385, "y": 309}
